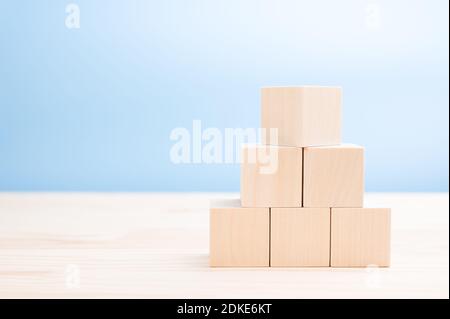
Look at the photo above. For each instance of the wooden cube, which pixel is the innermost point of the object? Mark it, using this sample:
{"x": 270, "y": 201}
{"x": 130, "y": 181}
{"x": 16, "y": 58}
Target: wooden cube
{"x": 239, "y": 237}
{"x": 333, "y": 176}
{"x": 271, "y": 176}
{"x": 360, "y": 237}
{"x": 300, "y": 237}
{"x": 304, "y": 115}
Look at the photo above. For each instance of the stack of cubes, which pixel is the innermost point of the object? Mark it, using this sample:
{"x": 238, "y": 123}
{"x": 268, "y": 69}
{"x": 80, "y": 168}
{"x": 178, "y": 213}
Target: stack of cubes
{"x": 309, "y": 212}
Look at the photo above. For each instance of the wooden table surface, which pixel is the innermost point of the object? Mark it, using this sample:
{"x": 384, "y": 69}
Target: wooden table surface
{"x": 154, "y": 245}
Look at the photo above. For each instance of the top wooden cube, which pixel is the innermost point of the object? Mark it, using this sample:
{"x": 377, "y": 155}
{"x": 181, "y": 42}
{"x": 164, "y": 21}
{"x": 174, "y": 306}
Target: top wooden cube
{"x": 304, "y": 115}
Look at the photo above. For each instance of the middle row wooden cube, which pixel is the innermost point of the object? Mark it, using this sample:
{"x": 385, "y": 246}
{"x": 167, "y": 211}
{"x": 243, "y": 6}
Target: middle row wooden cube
{"x": 271, "y": 176}
{"x": 283, "y": 176}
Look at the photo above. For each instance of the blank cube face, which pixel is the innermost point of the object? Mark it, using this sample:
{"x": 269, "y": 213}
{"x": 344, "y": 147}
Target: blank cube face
{"x": 360, "y": 237}
{"x": 300, "y": 237}
{"x": 304, "y": 116}
{"x": 239, "y": 237}
{"x": 271, "y": 176}
{"x": 333, "y": 176}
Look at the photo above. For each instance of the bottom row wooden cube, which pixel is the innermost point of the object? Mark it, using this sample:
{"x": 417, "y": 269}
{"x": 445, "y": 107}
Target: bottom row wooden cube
{"x": 239, "y": 237}
{"x": 360, "y": 237}
{"x": 298, "y": 237}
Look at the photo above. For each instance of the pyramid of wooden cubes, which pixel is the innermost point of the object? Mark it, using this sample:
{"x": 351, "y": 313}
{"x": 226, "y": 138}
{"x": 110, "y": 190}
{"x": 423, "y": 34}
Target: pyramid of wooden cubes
{"x": 307, "y": 210}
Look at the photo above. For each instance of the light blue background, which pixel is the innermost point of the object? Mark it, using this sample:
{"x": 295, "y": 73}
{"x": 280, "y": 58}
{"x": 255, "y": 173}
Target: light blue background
{"x": 92, "y": 109}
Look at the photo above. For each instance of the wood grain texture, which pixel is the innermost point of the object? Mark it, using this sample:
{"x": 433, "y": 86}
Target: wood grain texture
{"x": 333, "y": 176}
{"x": 360, "y": 237}
{"x": 239, "y": 237}
{"x": 300, "y": 237}
{"x": 303, "y": 115}
{"x": 281, "y": 188}
{"x": 156, "y": 245}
